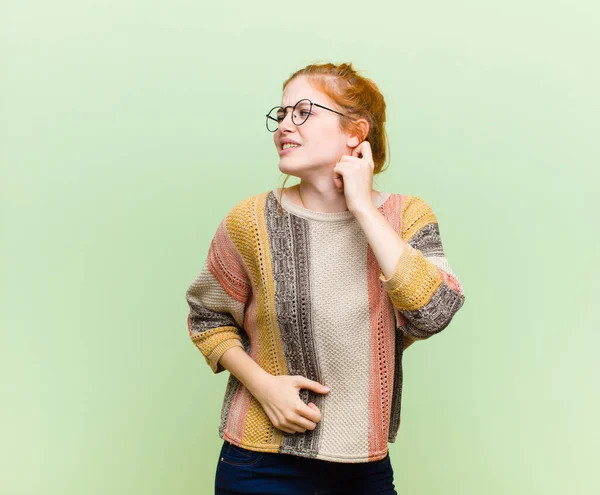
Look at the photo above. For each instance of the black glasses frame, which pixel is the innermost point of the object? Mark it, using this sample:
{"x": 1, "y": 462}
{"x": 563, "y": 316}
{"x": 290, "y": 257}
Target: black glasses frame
{"x": 294, "y": 109}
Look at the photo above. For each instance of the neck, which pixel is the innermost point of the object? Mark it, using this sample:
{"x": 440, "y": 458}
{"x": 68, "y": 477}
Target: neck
{"x": 375, "y": 195}
{"x": 318, "y": 197}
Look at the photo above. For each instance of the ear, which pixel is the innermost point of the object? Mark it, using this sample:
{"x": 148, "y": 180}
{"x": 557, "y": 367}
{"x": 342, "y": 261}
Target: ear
{"x": 353, "y": 140}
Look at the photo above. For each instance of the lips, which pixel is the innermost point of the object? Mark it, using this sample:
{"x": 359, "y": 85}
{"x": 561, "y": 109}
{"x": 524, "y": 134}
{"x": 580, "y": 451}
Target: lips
{"x": 288, "y": 150}
{"x": 287, "y": 140}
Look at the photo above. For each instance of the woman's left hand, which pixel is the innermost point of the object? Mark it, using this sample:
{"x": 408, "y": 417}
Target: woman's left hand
{"x": 354, "y": 176}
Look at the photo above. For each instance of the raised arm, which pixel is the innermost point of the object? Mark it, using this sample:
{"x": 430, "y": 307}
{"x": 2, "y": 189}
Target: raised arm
{"x": 414, "y": 270}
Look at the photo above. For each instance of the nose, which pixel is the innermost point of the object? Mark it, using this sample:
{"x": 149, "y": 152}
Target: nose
{"x": 286, "y": 123}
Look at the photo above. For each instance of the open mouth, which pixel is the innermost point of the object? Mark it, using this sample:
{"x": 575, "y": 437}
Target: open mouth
{"x": 287, "y": 149}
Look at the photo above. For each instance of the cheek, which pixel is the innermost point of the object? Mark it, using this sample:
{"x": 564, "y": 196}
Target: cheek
{"x": 326, "y": 142}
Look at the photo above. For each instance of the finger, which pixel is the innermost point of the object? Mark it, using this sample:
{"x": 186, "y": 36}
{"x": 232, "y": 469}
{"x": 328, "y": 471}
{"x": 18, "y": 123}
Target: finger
{"x": 359, "y": 150}
{"x": 364, "y": 149}
{"x": 286, "y": 425}
{"x": 303, "y": 423}
{"x": 311, "y": 412}
{"x": 299, "y": 422}
{"x": 338, "y": 183}
{"x": 304, "y": 382}
{"x": 338, "y": 180}
{"x": 290, "y": 426}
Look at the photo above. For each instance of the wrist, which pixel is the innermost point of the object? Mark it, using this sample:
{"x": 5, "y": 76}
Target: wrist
{"x": 257, "y": 382}
{"x": 364, "y": 211}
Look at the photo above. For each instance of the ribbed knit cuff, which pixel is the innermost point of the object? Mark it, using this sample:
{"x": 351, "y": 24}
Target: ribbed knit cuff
{"x": 413, "y": 282}
{"x": 404, "y": 260}
{"x": 213, "y": 358}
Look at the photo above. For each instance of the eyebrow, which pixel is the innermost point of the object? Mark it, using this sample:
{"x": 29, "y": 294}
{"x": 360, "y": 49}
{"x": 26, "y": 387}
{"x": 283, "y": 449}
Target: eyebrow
{"x": 283, "y": 106}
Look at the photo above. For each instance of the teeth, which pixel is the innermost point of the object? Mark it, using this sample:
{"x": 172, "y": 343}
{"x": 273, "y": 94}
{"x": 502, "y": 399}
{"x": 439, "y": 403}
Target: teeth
{"x": 289, "y": 145}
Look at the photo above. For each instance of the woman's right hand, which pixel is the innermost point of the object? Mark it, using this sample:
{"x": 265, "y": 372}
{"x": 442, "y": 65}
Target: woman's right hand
{"x": 280, "y": 398}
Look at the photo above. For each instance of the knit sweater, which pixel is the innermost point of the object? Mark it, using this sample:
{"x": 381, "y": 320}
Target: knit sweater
{"x": 303, "y": 294}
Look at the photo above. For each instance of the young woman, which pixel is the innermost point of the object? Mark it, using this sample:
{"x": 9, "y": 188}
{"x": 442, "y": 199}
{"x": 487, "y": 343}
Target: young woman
{"x": 310, "y": 294}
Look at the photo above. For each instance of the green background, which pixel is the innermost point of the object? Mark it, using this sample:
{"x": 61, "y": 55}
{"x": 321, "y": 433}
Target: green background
{"x": 129, "y": 129}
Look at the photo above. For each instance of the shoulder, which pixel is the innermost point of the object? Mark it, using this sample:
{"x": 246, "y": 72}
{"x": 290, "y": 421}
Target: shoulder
{"x": 408, "y": 204}
{"x": 245, "y": 210}
{"x": 415, "y": 213}
{"x": 241, "y": 219}
{"x": 415, "y": 206}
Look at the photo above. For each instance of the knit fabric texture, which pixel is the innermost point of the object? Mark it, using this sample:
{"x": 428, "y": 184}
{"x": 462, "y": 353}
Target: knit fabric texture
{"x": 303, "y": 294}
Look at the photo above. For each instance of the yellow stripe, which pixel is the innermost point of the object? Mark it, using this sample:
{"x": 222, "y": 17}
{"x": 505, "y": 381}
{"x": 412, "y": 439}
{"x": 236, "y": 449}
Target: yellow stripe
{"x": 416, "y": 213}
{"x": 423, "y": 280}
{"x": 248, "y": 229}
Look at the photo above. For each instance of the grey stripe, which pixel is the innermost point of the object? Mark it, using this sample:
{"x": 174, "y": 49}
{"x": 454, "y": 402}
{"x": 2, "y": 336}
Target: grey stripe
{"x": 435, "y": 315}
{"x": 290, "y": 252}
{"x": 397, "y": 394}
{"x": 203, "y": 319}
{"x": 428, "y": 240}
{"x": 233, "y": 385}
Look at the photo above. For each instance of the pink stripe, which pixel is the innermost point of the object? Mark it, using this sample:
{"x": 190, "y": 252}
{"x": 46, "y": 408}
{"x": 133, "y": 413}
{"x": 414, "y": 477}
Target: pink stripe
{"x": 450, "y": 281}
{"x": 225, "y": 264}
{"x": 241, "y": 401}
{"x": 382, "y": 341}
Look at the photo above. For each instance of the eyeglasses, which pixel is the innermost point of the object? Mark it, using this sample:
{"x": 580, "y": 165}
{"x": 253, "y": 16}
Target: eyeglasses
{"x": 300, "y": 113}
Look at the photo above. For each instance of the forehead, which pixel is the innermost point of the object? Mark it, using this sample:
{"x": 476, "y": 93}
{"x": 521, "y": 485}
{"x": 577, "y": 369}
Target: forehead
{"x": 299, "y": 89}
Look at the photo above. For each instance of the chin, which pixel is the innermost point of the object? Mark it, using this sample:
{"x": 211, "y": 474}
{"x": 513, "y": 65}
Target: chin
{"x": 289, "y": 169}
{"x": 293, "y": 166}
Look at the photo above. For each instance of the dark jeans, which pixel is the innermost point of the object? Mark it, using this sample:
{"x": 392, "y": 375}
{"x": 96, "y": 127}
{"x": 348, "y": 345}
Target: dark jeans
{"x": 241, "y": 471}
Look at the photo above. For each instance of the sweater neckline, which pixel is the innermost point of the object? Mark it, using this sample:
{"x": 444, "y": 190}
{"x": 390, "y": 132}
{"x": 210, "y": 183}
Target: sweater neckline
{"x": 337, "y": 216}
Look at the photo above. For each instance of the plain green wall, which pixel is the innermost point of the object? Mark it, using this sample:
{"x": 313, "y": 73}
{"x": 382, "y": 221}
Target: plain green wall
{"x": 129, "y": 129}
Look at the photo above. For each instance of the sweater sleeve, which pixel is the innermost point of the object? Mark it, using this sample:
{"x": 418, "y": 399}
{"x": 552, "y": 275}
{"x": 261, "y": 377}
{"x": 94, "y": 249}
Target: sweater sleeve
{"x": 423, "y": 288}
{"x": 217, "y": 299}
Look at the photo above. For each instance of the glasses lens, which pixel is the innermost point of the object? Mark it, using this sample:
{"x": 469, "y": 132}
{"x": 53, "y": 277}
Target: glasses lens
{"x": 301, "y": 112}
{"x": 274, "y": 117}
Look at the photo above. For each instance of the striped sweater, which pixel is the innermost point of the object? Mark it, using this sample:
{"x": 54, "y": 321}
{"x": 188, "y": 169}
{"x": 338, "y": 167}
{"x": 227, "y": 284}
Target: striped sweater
{"x": 302, "y": 292}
